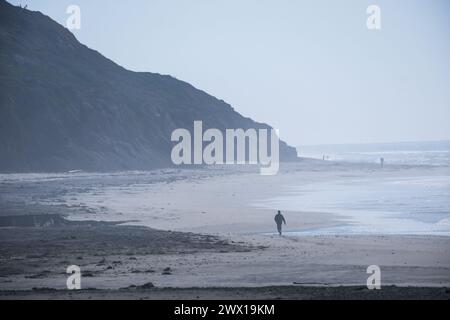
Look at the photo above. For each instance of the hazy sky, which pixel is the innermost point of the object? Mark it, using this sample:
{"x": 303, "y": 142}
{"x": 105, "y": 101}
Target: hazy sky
{"x": 310, "y": 68}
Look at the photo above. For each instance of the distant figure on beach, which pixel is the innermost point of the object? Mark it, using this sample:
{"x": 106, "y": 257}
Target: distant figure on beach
{"x": 382, "y": 162}
{"x": 279, "y": 220}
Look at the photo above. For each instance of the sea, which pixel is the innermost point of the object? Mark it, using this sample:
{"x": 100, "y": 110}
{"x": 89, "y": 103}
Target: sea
{"x": 431, "y": 153}
{"x": 406, "y": 205}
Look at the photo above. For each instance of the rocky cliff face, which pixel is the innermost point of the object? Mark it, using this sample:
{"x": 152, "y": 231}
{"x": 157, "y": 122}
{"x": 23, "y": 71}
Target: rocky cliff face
{"x": 64, "y": 106}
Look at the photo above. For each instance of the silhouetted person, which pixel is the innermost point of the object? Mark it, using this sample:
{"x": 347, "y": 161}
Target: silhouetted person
{"x": 279, "y": 220}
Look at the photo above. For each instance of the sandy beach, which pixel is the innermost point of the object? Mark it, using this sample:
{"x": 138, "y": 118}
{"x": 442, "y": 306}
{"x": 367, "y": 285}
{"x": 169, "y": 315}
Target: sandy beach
{"x": 218, "y": 242}
{"x": 275, "y": 150}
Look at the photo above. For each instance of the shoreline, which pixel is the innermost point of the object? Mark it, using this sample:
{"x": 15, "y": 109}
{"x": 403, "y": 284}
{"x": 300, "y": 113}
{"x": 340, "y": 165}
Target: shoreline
{"x": 214, "y": 238}
{"x": 236, "y": 203}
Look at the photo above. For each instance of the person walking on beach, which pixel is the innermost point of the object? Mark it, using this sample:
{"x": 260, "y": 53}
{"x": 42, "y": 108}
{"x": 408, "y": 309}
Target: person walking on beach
{"x": 279, "y": 220}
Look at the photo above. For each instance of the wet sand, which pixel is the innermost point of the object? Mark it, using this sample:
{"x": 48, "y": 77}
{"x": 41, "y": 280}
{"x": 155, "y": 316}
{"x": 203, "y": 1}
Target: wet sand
{"x": 218, "y": 248}
{"x": 261, "y": 293}
{"x": 116, "y": 261}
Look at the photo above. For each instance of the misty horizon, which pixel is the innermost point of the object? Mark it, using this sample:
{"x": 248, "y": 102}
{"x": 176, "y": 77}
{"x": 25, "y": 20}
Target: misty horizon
{"x": 374, "y": 143}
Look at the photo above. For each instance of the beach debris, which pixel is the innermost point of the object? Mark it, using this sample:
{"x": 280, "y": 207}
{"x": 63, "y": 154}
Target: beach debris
{"x": 145, "y": 286}
{"x": 148, "y": 285}
{"x": 167, "y": 271}
{"x": 43, "y": 274}
{"x": 142, "y": 271}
